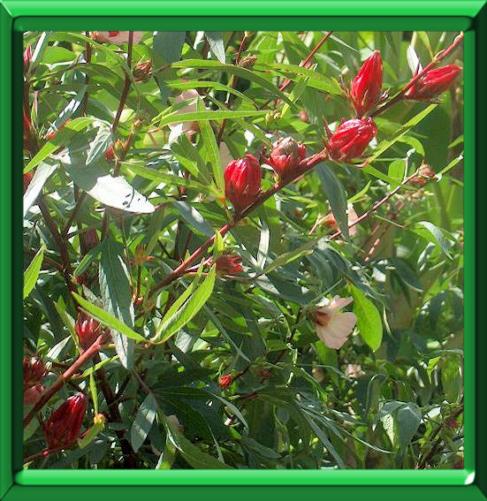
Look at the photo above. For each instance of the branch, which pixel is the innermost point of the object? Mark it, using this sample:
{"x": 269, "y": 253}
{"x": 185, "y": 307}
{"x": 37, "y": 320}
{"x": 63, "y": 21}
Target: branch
{"x": 438, "y": 58}
{"x": 126, "y": 85}
{"x": 65, "y": 377}
{"x": 378, "y": 204}
{"x": 306, "y": 165}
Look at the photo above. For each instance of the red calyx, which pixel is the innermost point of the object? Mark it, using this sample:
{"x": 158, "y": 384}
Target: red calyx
{"x": 63, "y": 427}
{"x": 34, "y": 370}
{"x": 225, "y": 381}
{"x": 87, "y": 329}
{"x": 229, "y": 264}
{"x": 351, "y": 138}
{"x": 432, "y": 83}
{"x": 143, "y": 71}
{"x": 286, "y": 156}
{"x": 242, "y": 181}
{"x": 33, "y": 394}
{"x": 366, "y": 88}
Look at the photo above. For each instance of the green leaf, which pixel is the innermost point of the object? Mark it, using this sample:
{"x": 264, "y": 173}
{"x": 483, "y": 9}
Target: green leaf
{"x": 434, "y": 235}
{"x": 167, "y": 47}
{"x": 253, "y": 76}
{"x": 31, "y": 274}
{"x": 194, "y": 219}
{"x": 41, "y": 175}
{"x": 211, "y": 153}
{"x": 190, "y": 452}
{"x": 61, "y": 139}
{"x": 107, "y": 319}
{"x": 116, "y": 295}
{"x": 199, "y": 116}
{"x": 369, "y": 321}
{"x": 408, "y": 418}
{"x": 288, "y": 257}
{"x": 385, "y": 145}
{"x": 143, "y": 422}
{"x": 186, "y": 307}
{"x": 115, "y": 192}
{"x": 336, "y": 195}
{"x": 217, "y": 47}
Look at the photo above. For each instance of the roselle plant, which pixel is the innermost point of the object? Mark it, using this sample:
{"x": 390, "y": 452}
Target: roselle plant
{"x": 243, "y": 250}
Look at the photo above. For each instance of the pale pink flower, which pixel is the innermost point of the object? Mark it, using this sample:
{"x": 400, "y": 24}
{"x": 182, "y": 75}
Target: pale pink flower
{"x": 354, "y": 371}
{"x": 332, "y": 326}
{"x": 116, "y": 37}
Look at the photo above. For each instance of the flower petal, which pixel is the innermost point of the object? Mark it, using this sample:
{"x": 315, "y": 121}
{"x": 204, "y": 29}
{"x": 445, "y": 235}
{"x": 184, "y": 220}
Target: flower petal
{"x": 336, "y": 332}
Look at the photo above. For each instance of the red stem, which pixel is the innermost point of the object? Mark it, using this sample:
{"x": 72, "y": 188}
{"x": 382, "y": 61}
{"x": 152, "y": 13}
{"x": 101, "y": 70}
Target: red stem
{"x": 65, "y": 377}
{"x": 439, "y": 57}
{"x": 305, "y": 165}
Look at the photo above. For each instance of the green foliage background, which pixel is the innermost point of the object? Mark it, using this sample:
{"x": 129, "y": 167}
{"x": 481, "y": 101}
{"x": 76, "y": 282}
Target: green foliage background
{"x": 392, "y": 397}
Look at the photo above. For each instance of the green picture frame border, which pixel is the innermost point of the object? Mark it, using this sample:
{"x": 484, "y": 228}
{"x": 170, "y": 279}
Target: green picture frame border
{"x": 17, "y": 16}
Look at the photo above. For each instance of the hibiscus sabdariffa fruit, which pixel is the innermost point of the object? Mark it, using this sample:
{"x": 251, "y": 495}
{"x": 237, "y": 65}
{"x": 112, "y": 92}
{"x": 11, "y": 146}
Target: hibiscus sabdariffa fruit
{"x": 351, "y": 138}
{"x": 433, "y": 82}
{"x": 242, "y": 181}
{"x": 366, "y": 88}
{"x": 332, "y": 325}
{"x": 64, "y": 425}
{"x": 87, "y": 329}
{"x": 229, "y": 264}
{"x": 286, "y": 156}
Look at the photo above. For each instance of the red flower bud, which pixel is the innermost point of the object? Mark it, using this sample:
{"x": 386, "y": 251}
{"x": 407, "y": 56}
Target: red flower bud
{"x": 90, "y": 239}
{"x": 34, "y": 371}
{"x": 330, "y": 222}
{"x": 433, "y": 82}
{"x": 87, "y": 329}
{"x": 285, "y": 156}
{"x": 109, "y": 153}
{"x": 33, "y": 394}
{"x": 63, "y": 427}
{"x": 225, "y": 381}
{"x": 229, "y": 264}
{"x": 242, "y": 181}
{"x": 425, "y": 175}
{"x": 366, "y": 87}
{"x": 143, "y": 71}
{"x": 351, "y": 138}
